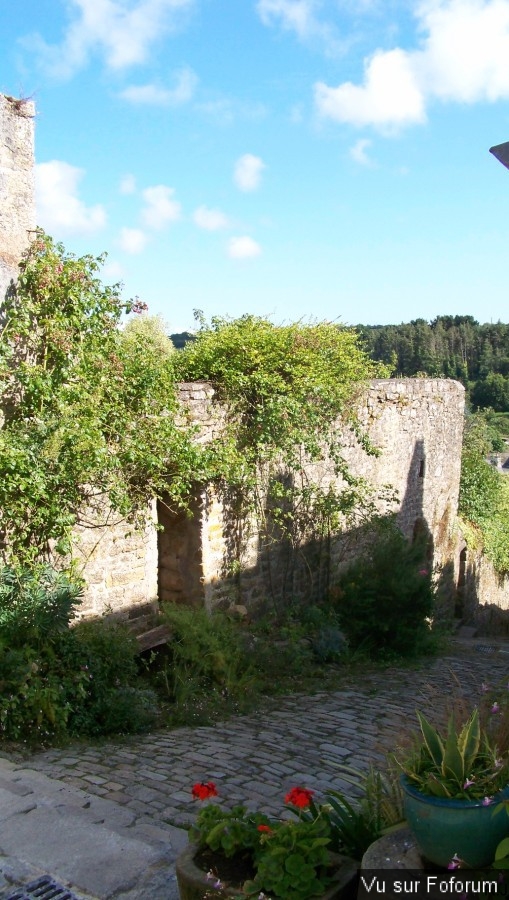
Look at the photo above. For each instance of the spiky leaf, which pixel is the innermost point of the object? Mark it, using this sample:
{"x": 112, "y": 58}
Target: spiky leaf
{"x": 432, "y": 740}
{"x": 470, "y": 740}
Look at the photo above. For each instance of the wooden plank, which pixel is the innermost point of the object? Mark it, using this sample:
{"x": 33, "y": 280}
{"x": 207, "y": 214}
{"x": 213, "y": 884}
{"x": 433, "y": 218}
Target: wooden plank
{"x": 154, "y": 638}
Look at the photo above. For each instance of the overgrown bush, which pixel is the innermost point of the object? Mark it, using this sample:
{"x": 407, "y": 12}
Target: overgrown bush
{"x": 385, "y": 599}
{"x": 207, "y": 665}
{"x": 57, "y": 681}
{"x": 484, "y": 493}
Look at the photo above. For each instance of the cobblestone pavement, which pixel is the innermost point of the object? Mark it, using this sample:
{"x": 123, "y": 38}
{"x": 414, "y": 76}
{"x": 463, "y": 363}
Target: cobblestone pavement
{"x": 299, "y": 740}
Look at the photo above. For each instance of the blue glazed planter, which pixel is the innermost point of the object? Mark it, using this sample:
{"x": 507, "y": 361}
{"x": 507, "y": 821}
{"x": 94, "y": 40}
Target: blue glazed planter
{"x": 443, "y": 827}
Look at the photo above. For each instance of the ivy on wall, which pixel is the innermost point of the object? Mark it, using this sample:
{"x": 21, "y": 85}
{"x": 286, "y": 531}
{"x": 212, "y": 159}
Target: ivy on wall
{"x": 90, "y": 413}
{"x": 484, "y": 493}
{"x": 283, "y": 390}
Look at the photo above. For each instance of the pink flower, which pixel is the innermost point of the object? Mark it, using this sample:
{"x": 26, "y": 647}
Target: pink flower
{"x": 485, "y": 687}
{"x": 210, "y": 876}
{"x": 487, "y": 801}
{"x": 455, "y": 862}
{"x": 468, "y": 783}
{"x": 495, "y": 708}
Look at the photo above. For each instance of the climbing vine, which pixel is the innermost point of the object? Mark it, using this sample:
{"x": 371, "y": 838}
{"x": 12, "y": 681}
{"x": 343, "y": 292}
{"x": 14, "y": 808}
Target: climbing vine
{"x": 88, "y": 415}
{"x": 278, "y": 462}
{"x": 91, "y": 416}
{"x": 484, "y": 493}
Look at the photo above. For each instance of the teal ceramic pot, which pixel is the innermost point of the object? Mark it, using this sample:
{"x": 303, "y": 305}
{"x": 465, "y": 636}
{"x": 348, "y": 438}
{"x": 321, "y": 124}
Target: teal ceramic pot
{"x": 443, "y": 828}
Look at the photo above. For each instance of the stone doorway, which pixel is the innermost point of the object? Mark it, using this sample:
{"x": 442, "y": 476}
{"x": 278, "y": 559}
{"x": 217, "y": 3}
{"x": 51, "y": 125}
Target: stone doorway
{"x": 180, "y": 575}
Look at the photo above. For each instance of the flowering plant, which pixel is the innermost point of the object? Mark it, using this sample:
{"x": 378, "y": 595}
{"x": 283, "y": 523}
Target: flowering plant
{"x": 468, "y": 764}
{"x": 285, "y": 858}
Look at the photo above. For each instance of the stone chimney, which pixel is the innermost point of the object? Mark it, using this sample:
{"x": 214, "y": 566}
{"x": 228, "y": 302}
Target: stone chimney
{"x": 17, "y": 195}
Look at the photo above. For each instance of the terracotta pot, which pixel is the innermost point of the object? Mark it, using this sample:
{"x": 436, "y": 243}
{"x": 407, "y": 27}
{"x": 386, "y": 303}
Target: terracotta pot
{"x": 444, "y": 827}
{"x": 193, "y": 883}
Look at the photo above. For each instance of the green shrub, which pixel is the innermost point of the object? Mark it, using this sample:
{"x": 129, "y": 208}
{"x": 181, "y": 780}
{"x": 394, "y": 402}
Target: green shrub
{"x": 206, "y": 666}
{"x": 35, "y": 604}
{"x": 57, "y": 681}
{"x": 384, "y": 599}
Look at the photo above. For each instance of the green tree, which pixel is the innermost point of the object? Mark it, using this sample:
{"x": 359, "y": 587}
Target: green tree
{"x": 152, "y": 330}
{"x": 88, "y": 413}
{"x": 484, "y": 493}
{"x": 493, "y": 391}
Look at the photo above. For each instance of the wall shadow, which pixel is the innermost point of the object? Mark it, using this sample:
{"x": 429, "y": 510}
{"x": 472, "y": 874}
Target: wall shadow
{"x": 286, "y": 572}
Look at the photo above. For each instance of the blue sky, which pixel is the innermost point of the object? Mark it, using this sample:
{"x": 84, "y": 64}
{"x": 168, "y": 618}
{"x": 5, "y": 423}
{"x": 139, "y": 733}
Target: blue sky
{"x": 292, "y": 158}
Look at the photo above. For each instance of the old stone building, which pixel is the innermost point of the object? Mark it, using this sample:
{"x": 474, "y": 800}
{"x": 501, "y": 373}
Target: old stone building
{"x": 416, "y": 423}
{"x": 17, "y": 206}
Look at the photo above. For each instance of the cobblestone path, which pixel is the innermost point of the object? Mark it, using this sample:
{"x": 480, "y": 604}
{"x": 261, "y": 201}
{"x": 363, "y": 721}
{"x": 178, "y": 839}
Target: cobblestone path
{"x": 299, "y": 740}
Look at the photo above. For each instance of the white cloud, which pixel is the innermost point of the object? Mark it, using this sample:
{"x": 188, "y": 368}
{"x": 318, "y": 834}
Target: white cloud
{"x": 226, "y": 110}
{"x": 466, "y": 53}
{"x": 243, "y": 248}
{"x": 293, "y": 15}
{"x": 132, "y": 240}
{"x": 210, "y": 219}
{"x": 359, "y": 152}
{"x": 390, "y": 95}
{"x": 59, "y": 209}
{"x": 463, "y": 57}
{"x": 160, "y": 208}
{"x": 123, "y": 32}
{"x": 128, "y": 184}
{"x": 248, "y": 172}
{"x": 150, "y": 94}
{"x": 299, "y": 16}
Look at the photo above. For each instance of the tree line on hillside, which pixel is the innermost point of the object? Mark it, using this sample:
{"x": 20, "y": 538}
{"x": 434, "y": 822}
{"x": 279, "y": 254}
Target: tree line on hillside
{"x": 451, "y": 347}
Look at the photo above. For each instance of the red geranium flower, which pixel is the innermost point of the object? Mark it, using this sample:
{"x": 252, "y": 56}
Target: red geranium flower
{"x": 204, "y": 790}
{"x": 265, "y": 828}
{"x": 300, "y": 797}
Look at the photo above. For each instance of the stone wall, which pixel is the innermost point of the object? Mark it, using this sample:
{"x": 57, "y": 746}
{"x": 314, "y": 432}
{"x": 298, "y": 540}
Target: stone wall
{"x": 119, "y": 565}
{"x": 17, "y": 206}
{"x": 483, "y": 593}
{"x": 417, "y": 425}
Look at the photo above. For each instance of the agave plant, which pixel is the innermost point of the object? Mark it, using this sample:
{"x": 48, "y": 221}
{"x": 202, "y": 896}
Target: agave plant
{"x": 465, "y": 764}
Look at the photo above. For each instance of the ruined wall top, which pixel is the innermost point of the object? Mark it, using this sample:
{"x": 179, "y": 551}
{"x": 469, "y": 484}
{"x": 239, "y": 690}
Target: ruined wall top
{"x": 17, "y": 194}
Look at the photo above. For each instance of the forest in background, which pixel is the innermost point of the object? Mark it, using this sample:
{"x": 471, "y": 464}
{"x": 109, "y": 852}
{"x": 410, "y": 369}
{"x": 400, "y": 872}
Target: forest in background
{"x": 450, "y": 347}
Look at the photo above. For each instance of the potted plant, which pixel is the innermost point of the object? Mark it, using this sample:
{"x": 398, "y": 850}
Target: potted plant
{"x": 239, "y": 853}
{"x": 451, "y": 786}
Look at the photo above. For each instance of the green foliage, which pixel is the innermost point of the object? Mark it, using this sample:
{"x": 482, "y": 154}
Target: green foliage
{"x": 152, "y": 330}
{"x": 282, "y": 390}
{"x": 230, "y": 831}
{"x": 384, "y": 600}
{"x": 484, "y": 493}
{"x": 206, "y": 667}
{"x": 450, "y": 347}
{"x": 35, "y": 606}
{"x": 290, "y": 858}
{"x": 294, "y": 860}
{"x": 88, "y": 411}
{"x": 464, "y": 765}
{"x": 356, "y": 824}
{"x": 283, "y": 386}
{"x": 57, "y": 681}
